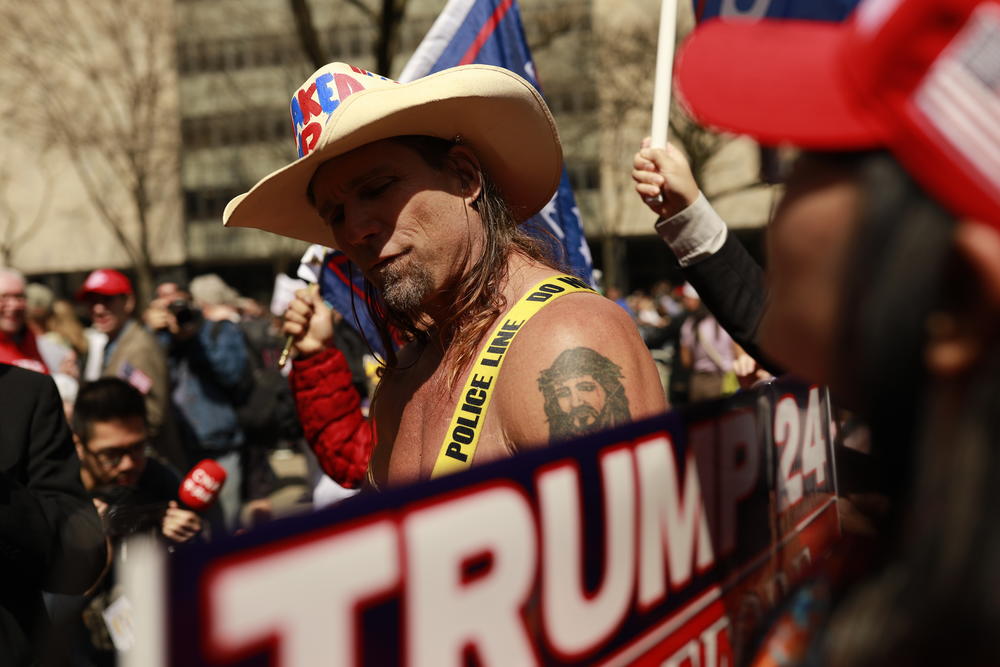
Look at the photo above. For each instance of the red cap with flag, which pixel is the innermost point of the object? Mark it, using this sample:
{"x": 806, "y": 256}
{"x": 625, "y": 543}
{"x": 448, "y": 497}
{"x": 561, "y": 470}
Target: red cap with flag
{"x": 105, "y": 281}
{"x": 918, "y": 77}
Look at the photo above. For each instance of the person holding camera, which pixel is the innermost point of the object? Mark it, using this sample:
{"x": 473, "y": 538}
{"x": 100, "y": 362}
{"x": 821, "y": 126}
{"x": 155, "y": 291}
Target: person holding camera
{"x": 209, "y": 376}
{"x": 118, "y": 346}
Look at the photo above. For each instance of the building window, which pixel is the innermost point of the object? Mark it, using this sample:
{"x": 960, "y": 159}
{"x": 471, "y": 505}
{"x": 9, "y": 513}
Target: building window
{"x": 236, "y": 129}
{"x": 584, "y": 175}
{"x": 208, "y": 203}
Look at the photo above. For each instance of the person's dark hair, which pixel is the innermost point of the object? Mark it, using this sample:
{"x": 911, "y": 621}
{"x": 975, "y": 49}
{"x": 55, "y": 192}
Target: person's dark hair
{"x": 103, "y": 400}
{"x": 578, "y": 361}
{"x": 901, "y": 257}
{"x": 937, "y": 452}
{"x": 477, "y": 296}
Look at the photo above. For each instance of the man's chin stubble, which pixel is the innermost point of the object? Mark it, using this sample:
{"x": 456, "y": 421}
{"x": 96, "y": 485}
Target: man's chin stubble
{"x": 405, "y": 286}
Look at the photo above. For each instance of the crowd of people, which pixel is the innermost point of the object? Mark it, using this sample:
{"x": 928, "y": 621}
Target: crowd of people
{"x": 202, "y": 357}
{"x": 148, "y": 394}
{"x": 696, "y": 357}
{"x": 883, "y": 283}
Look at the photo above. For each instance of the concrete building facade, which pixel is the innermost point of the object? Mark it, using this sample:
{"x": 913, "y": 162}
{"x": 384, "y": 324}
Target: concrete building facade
{"x": 236, "y": 63}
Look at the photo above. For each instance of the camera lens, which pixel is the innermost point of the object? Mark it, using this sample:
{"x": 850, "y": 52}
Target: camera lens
{"x": 182, "y": 311}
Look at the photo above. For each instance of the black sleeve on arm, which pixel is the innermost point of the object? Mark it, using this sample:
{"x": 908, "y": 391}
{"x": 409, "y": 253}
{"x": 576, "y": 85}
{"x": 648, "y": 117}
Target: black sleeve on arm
{"x": 731, "y": 285}
{"x": 49, "y": 529}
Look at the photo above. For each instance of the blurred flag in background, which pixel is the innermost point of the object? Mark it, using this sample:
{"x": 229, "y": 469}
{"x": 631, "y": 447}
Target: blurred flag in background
{"x": 469, "y": 31}
{"x": 810, "y": 10}
{"x": 490, "y": 32}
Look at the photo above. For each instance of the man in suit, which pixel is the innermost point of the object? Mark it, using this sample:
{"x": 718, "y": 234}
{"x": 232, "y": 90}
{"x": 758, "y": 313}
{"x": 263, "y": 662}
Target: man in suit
{"x": 50, "y": 536}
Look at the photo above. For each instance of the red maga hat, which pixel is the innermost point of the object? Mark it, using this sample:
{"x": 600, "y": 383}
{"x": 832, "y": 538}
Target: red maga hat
{"x": 105, "y": 281}
{"x": 919, "y": 77}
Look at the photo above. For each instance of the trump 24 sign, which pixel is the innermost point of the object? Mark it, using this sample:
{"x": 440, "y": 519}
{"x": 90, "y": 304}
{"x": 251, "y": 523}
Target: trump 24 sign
{"x": 662, "y": 542}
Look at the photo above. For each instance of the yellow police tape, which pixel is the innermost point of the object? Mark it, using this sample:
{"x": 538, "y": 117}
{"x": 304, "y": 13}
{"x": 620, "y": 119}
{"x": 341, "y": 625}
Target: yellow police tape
{"x": 462, "y": 437}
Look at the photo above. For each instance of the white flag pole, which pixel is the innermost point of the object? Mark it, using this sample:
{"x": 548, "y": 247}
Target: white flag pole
{"x": 664, "y": 72}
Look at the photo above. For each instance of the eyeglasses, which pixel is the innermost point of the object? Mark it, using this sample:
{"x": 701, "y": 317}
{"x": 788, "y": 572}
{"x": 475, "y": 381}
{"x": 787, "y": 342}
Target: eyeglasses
{"x": 112, "y": 457}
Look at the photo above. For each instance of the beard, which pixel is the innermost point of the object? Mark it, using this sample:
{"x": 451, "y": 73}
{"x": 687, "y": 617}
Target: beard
{"x": 405, "y": 285}
{"x": 584, "y": 418}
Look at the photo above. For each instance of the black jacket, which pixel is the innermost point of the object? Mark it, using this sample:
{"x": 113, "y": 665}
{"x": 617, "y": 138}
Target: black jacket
{"x": 50, "y": 536}
{"x": 731, "y": 285}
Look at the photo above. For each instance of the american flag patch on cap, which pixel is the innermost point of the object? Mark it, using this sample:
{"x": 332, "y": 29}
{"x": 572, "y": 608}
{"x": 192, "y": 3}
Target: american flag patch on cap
{"x": 960, "y": 95}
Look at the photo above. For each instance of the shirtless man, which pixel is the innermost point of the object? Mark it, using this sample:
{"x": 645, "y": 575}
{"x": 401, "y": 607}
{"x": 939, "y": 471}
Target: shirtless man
{"x": 424, "y": 186}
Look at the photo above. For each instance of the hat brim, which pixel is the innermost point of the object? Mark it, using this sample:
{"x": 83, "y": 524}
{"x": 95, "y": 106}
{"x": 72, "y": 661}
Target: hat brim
{"x": 778, "y": 81}
{"x": 84, "y": 292}
{"x": 495, "y": 112}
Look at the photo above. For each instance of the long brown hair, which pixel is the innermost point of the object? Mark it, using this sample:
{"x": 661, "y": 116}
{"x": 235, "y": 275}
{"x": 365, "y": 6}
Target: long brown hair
{"x": 477, "y": 295}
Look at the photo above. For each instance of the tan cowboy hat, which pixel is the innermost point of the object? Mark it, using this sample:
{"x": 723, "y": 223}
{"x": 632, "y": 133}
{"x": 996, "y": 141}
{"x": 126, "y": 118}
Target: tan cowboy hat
{"x": 499, "y": 115}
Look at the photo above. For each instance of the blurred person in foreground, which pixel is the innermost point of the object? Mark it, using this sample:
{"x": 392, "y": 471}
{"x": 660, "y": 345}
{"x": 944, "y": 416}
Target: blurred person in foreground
{"x": 50, "y": 536}
{"x": 18, "y": 345}
{"x": 423, "y": 190}
{"x": 208, "y": 375}
{"x": 883, "y": 281}
{"x": 119, "y": 346}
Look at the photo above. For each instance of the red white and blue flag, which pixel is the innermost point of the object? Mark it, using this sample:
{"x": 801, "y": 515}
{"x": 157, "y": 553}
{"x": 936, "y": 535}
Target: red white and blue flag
{"x": 490, "y": 32}
{"x": 469, "y": 31}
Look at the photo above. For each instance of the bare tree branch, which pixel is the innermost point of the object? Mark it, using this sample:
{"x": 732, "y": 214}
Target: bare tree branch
{"x": 386, "y": 42}
{"x": 14, "y": 235}
{"x": 363, "y": 8}
{"x": 306, "y": 30}
{"x": 96, "y": 79}
{"x": 544, "y": 24}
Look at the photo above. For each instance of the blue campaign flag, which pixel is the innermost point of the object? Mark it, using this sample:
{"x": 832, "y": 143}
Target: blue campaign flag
{"x": 490, "y": 32}
{"x": 810, "y": 10}
{"x": 469, "y": 31}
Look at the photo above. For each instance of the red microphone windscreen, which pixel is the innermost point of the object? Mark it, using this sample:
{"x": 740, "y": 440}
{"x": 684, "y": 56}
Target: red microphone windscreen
{"x": 201, "y": 486}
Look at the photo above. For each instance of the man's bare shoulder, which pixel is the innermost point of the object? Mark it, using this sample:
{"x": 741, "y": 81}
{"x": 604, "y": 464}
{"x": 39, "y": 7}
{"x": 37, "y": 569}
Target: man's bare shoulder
{"x": 578, "y": 366}
{"x": 585, "y": 315}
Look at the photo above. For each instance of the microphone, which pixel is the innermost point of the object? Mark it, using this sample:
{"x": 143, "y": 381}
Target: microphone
{"x": 201, "y": 485}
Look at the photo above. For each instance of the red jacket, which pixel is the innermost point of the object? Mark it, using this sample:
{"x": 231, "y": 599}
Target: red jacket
{"x": 24, "y": 353}
{"x": 330, "y": 411}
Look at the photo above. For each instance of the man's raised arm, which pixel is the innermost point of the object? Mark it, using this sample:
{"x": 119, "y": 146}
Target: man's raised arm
{"x": 728, "y": 280}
